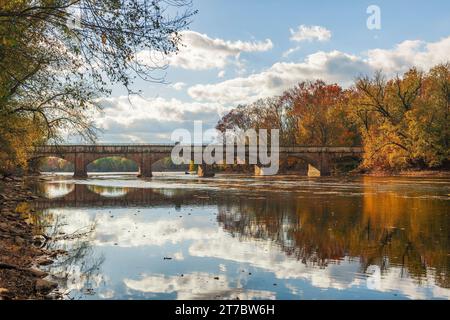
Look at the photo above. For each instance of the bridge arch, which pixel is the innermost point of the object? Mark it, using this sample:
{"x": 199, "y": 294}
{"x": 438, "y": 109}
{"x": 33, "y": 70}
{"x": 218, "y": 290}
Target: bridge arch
{"x": 143, "y": 162}
{"x": 92, "y": 159}
{"x": 317, "y": 164}
{"x": 35, "y": 162}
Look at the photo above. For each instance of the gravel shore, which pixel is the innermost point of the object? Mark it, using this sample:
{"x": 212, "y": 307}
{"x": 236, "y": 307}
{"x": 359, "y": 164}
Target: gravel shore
{"x": 21, "y": 254}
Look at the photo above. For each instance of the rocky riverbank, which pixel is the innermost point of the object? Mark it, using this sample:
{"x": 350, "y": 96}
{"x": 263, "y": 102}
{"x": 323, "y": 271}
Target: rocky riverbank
{"x": 20, "y": 252}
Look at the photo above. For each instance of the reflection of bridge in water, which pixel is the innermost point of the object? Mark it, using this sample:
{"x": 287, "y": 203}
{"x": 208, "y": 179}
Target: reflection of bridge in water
{"x": 84, "y": 196}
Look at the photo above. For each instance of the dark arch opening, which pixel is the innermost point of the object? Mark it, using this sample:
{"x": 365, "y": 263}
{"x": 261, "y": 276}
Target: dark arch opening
{"x": 346, "y": 164}
{"x": 294, "y": 165}
{"x": 113, "y": 164}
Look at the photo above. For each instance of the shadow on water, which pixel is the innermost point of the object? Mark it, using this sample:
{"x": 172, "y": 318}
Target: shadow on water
{"x": 361, "y": 238}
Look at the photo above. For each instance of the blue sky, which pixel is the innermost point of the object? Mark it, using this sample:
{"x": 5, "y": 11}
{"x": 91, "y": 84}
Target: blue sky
{"x": 237, "y": 51}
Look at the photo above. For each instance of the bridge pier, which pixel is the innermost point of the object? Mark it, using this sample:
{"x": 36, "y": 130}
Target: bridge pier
{"x": 145, "y": 166}
{"x": 80, "y": 166}
{"x": 205, "y": 171}
{"x": 321, "y": 167}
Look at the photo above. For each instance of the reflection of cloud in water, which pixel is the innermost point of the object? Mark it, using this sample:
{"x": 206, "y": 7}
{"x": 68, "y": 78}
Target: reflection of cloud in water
{"x": 195, "y": 286}
{"x": 178, "y": 256}
{"x": 265, "y": 255}
{"x": 131, "y": 231}
{"x": 77, "y": 280}
{"x": 341, "y": 275}
{"x": 210, "y": 241}
{"x": 107, "y": 294}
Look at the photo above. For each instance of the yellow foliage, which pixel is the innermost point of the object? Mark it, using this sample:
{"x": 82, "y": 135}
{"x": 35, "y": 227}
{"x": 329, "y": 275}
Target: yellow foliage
{"x": 404, "y": 121}
{"x": 18, "y": 136}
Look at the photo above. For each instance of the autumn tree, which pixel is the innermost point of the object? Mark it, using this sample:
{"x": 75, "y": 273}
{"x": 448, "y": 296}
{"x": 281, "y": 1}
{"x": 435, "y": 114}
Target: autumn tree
{"x": 269, "y": 113}
{"x": 428, "y": 123}
{"x": 320, "y": 113}
{"x": 57, "y": 56}
{"x": 403, "y": 121}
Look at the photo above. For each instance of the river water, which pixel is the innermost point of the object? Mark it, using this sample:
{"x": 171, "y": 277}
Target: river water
{"x": 176, "y": 236}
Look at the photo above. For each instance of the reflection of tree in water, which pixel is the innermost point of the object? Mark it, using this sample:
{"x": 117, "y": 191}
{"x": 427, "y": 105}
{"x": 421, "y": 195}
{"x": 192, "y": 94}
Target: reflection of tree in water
{"x": 78, "y": 268}
{"x": 380, "y": 229}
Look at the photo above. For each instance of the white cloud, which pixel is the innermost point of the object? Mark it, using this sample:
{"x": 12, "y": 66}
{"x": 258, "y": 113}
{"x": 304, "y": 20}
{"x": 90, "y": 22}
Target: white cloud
{"x": 200, "y": 52}
{"x": 221, "y": 74}
{"x": 291, "y": 51}
{"x": 178, "y": 86}
{"x": 152, "y": 119}
{"x": 334, "y": 66}
{"x": 410, "y": 53}
{"x": 310, "y": 33}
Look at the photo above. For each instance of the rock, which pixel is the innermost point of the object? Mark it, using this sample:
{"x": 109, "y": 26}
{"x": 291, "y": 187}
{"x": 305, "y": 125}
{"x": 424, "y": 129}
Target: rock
{"x": 37, "y": 273}
{"x": 56, "y": 253}
{"x": 19, "y": 240}
{"x": 44, "y": 261}
{"x": 3, "y": 196}
{"x": 44, "y": 286}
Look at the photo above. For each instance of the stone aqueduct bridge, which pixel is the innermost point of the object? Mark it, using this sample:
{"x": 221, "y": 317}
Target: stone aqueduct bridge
{"x": 319, "y": 159}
